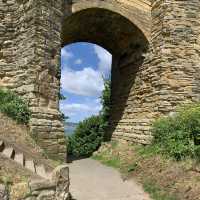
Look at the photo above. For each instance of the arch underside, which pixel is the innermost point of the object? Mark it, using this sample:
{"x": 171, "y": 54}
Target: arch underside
{"x": 136, "y": 11}
{"x": 105, "y": 28}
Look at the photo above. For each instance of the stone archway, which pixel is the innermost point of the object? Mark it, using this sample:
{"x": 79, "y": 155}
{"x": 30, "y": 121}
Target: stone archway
{"x": 122, "y": 27}
{"x": 145, "y": 84}
{"x": 128, "y": 45}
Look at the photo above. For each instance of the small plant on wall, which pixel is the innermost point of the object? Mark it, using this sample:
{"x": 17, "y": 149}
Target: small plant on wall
{"x": 14, "y": 107}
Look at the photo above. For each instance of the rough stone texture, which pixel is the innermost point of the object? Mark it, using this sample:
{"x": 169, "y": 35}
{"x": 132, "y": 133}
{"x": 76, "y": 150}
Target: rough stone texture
{"x": 29, "y": 65}
{"x": 55, "y": 189}
{"x": 61, "y": 177}
{"x": 3, "y": 193}
{"x": 169, "y": 74}
{"x": 155, "y": 47}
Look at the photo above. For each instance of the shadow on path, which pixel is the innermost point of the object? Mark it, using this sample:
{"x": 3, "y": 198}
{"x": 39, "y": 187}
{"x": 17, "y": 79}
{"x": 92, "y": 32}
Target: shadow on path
{"x": 72, "y": 158}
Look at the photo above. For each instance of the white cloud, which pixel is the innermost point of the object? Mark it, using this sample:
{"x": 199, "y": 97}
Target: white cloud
{"x": 78, "y": 62}
{"x": 86, "y": 82}
{"x": 78, "y": 112}
{"x": 105, "y": 60}
{"x": 66, "y": 55}
{"x": 75, "y": 108}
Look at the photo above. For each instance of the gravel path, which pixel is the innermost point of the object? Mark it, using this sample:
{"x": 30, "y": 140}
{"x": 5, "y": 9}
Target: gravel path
{"x": 91, "y": 180}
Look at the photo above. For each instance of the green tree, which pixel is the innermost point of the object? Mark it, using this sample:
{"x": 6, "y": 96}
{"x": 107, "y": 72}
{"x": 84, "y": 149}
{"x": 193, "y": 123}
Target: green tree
{"x": 90, "y": 133}
{"x": 87, "y": 137}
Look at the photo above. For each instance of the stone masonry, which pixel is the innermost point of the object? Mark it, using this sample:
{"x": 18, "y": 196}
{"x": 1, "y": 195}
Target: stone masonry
{"x": 155, "y": 47}
{"x": 56, "y": 188}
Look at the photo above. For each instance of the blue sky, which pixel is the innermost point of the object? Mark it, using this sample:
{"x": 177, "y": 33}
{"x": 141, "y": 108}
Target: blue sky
{"x": 83, "y": 67}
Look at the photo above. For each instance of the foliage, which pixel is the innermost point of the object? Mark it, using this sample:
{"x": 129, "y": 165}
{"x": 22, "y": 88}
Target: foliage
{"x": 105, "y": 112}
{"x": 178, "y": 136}
{"x": 61, "y": 96}
{"x": 13, "y": 106}
{"x": 110, "y": 156}
{"x": 69, "y": 144}
{"x": 91, "y": 132}
{"x": 155, "y": 192}
{"x": 111, "y": 162}
{"x": 87, "y": 137}
{"x": 64, "y": 117}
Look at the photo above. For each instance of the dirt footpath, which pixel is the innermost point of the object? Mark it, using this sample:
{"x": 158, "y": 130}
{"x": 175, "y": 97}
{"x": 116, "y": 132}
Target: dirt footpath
{"x": 90, "y": 180}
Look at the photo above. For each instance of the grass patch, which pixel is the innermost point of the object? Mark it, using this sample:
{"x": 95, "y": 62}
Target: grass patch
{"x": 162, "y": 177}
{"x": 6, "y": 180}
{"x": 147, "y": 151}
{"x": 111, "y": 162}
{"x": 155, "y": 192}
{"x": 132, "y": 167}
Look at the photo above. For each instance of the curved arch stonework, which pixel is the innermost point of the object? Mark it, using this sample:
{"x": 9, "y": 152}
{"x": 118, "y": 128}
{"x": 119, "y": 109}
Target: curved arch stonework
{"x": 126, "y": 42}
{"x": 155, "y": 59}
{"x": 137, "y": 11}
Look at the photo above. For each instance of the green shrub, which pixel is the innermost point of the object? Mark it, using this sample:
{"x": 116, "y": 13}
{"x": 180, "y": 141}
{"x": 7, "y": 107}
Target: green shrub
{"x": 91, "y": 132}
{"x": 14, "y": 107}
{"x": 69, "y": 144}
{"x": 87, "y": 137}
{"x": 178, "y": 135}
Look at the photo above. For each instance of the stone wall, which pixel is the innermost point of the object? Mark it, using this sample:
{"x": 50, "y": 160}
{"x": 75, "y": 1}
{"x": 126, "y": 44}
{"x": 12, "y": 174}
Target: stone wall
{"x": 55, "y": 187}
{"x": 137, "y": 11}
{"x": 176, "y": 52}
{"x": 131, "y": 111}
{"x": 7, "y": 49}
{"x": 46, "y": 123}
{"x": 128, "y": 45}
{"x": 169, "y": 74}
{"x": 29, "y": 65}
{"x": 155, "y": 50}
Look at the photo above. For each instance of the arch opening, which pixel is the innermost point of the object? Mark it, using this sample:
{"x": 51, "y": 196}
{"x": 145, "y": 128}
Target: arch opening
{"x": 84, "y": 69}
{"x": 127, "y": 44}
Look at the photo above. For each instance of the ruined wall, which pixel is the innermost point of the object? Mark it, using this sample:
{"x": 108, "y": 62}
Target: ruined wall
{"x": 56, "y": 187}
{"x": 169, "y": 74}
{"x": 132, "y": 101}
{"x": 175, "y": 36}
{"x": 46, "y": 123}
{"x": 128, "y": 44}
{"x": 155, "y": 50}
{"x": 7, "y": 49}
{"x": 29, "y": 64}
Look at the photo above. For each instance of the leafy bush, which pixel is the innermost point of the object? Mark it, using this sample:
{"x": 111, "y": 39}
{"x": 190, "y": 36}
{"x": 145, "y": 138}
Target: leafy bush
{"x": 14, "y": 107}
{"x": 91, "y": 132}
{"x": 87, "y": 137}
{"x": 178, "y": 136}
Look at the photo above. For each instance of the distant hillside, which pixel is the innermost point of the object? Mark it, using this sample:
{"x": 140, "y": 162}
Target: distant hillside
{"x": 70, "y": 128}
